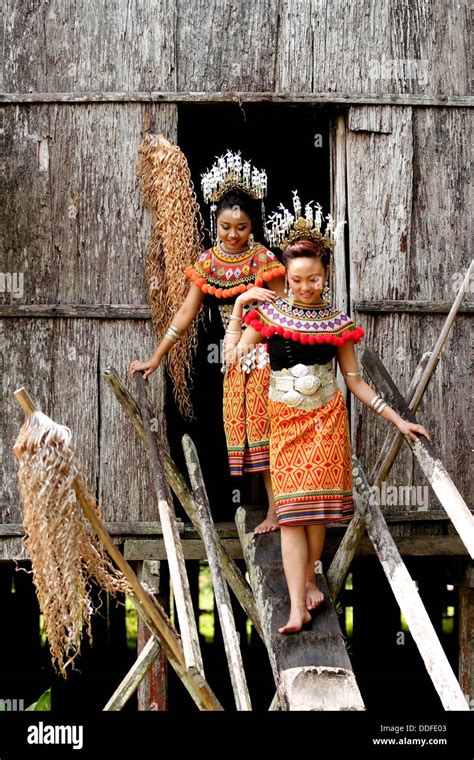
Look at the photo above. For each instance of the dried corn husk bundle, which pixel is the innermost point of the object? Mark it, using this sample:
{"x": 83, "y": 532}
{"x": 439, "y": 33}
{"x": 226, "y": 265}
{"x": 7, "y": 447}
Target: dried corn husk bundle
{"x": 65, "y": 555}
{"x": 176, "y": 241}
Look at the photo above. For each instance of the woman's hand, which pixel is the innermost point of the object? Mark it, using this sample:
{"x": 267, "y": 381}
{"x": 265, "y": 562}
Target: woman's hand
{"x": 256, "y": 294}
{"x": 149, "y": 366}
{"x": 410, "y": 428}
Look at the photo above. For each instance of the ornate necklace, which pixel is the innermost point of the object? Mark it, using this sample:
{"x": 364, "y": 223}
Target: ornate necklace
{"x": 235, "y": 256}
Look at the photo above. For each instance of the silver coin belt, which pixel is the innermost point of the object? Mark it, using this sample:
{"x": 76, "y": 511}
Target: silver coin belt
{"x": 304, "y": 386}
{"x": 256, "y": 358}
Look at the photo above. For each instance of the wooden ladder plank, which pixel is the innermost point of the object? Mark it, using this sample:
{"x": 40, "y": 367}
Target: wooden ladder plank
{"x": 312, "y": 670}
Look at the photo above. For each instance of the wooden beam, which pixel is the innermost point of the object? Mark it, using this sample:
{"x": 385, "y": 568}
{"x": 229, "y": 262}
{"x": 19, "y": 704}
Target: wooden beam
{"x": 174, "y": 549}
{"x": 312, "y": 669}
{"x": 409, "y": 307}
{"x": 221, "y": 592}
{"x": 429, "y": 462}
{"x": 410, "y": 603}
{"x": 306, "y": 98}
{"x": 74, "y": 311}
{"x": 409, "y": 546}
{"x": 180, "y": 488}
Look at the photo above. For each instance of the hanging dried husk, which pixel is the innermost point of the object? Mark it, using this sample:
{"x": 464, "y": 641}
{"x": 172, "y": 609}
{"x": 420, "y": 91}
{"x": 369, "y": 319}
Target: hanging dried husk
{"x": 66, "y": 556}
{"x": 176, "y": 241}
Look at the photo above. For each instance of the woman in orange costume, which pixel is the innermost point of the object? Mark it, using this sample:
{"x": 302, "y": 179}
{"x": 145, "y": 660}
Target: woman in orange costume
{"x": 235, "y": 268}
{"x": 310, "y": 454}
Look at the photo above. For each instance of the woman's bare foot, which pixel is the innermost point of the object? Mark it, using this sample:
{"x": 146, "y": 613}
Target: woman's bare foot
{"x": 314, "y": 597}
{"x": 269, "y": 524}
{"x": 298, "y": 618}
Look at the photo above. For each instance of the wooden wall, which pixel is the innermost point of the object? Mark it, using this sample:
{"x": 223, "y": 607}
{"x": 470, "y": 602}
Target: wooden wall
{"x": 75, "y": 226}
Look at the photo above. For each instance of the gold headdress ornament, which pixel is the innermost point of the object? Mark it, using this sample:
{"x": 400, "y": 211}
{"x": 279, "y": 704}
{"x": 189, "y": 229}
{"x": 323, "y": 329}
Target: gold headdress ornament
{"x": 228, "y": 173}
{"x": 283, "y": 228}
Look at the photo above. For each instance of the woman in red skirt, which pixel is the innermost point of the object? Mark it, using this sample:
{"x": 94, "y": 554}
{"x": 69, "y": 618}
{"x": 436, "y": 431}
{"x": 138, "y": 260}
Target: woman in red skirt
{"x": 310, "y": 453}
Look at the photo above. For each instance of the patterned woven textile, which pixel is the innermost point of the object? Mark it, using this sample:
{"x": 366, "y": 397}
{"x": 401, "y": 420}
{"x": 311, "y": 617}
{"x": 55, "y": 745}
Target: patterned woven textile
{"x": 246, "y": 423}
{"x": 310, "y": 463}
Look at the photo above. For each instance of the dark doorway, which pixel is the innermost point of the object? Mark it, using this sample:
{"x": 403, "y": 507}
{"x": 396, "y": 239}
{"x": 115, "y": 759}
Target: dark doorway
{"x": 292, "y": 144}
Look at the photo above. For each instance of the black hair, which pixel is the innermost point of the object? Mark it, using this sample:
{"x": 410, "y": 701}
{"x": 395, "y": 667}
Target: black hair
{"x": 247, "y": 204}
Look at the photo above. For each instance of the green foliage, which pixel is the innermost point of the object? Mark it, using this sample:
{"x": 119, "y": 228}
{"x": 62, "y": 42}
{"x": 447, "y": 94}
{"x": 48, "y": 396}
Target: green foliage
{"x": 43, "y": 704}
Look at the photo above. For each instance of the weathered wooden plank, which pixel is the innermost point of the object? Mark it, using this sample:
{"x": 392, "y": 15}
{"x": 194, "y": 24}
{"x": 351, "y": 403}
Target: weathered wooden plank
{"x": 411, "y": 307}
{"x": 238, "y": 51}
{"x": 434, "y": 37}
{"x": 152, "y": 691}
{"x": 370, "y": 119}
{"x": 235, "y": 96}
{"x": 76, "y": 311}
{"x": 411, "y": 605}
{"x": 221, "y": 592}
{"x": 429, "y": 461}
{"x": 63, "y": 46}
{"x": 328, "y": 46}
{"x": 312, "y": 670}
{"x": 174, "y": 549}
{"x": 182, "y": 492}
{"x": 466, "y": 642}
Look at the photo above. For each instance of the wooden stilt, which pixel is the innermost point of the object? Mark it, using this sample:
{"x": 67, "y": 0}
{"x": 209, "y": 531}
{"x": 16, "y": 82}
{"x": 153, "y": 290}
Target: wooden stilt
{"x": 223, "y": 602}
{"x": 152, "y": 690}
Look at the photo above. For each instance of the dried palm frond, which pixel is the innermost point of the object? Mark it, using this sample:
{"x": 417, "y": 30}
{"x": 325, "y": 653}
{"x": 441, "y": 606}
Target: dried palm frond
{"x": 65, "y": 555}
{"x": 176, "y": 241}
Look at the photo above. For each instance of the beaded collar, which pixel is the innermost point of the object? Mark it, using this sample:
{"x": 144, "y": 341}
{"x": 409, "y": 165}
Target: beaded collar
{"x": 228, "y": 274}
{"x": 311, "y": 324}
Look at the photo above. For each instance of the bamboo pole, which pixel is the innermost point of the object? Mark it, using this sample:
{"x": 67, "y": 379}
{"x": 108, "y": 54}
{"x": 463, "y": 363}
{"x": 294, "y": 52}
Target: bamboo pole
{"x": 429, "y": 462}
{"x": 411, "y": 605}
{"x": 135, "y": 675}
{"x": 172, "y": 539}
{"x": 180, "y": 488}
{"x": 147, "y": 607}
{"x": 347, "y": 548}
{"x": 224, "y": 606}
{"x": 346, "y": 551}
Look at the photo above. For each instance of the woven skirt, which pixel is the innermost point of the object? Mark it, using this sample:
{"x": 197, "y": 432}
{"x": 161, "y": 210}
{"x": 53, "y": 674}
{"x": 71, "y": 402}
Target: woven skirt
{"x": 310, "y": 463}
{"x": 246, "y": 423}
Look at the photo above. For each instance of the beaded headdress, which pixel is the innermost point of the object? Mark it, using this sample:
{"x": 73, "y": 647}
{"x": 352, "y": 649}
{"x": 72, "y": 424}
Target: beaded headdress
{"x": 283, "y": 227}
{"x": 228, "y": 173}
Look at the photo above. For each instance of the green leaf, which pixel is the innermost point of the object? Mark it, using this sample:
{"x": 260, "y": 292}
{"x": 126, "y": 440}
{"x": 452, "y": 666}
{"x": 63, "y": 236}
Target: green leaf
{"x": 43, "y": 704}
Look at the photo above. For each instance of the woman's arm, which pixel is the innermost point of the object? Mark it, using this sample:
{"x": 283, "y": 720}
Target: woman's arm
{"x": 347, "y": 361}
{"x": 236, "y": 342}
{"x": 186, "y": 313}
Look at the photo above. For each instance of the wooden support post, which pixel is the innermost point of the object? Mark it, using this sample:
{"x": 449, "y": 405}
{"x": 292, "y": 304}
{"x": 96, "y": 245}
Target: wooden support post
{"x": 221, "y": 592}
{"x": 152, "y": 690}
{"x": 410, "y": 602}
{"x": 174, "y": 549}
{"x": 180, "y": 488}
{"x": 431, "y": 465}
{"x": 466, "y": 634}
{"x": 147, "y": 607}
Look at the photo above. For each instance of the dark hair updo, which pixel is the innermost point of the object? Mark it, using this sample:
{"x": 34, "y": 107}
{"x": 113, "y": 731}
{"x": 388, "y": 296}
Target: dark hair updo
{"x": 245, "y": 203}
{"x": 309, "y": 249}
